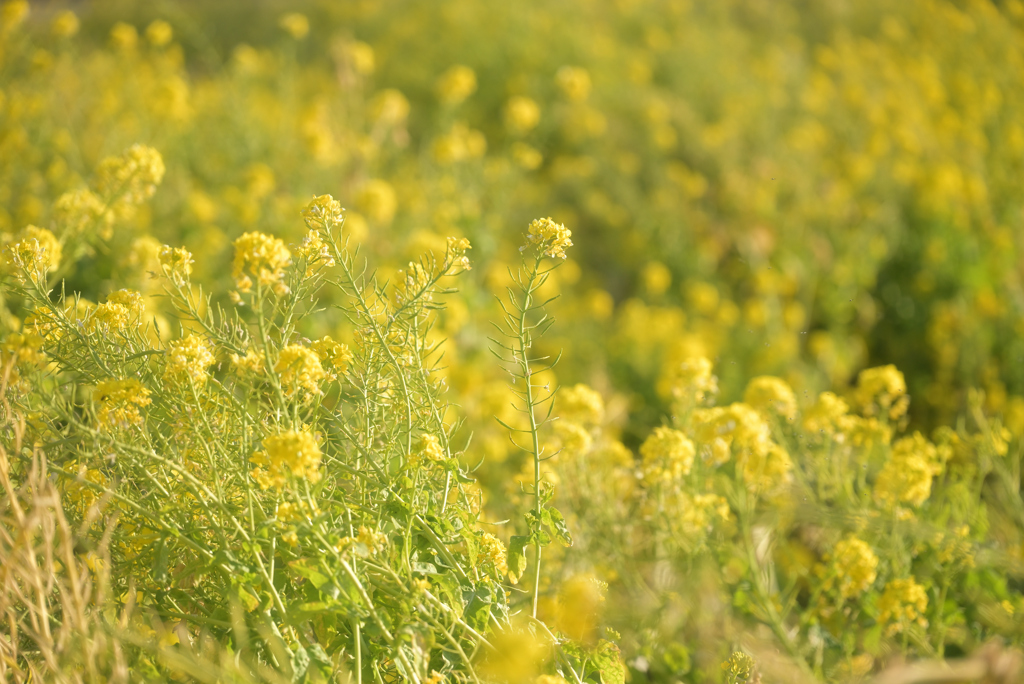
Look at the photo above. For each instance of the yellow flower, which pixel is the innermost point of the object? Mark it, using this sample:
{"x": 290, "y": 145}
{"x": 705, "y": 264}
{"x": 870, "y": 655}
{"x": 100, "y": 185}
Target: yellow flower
{"x": 315, "y": 252}
{"x": 903, "y": 602}
{"x": 65, "y": 24}
{"x": 456, "y": 84}
{"x": 361, "y": 57}
{"x": 78, "y": 210}
{"x": 188, "y": 359}
{"x": 907, "y": 476}
{"x": 250, "y": 362}
{"x": 324, "y": 212}
{"x": 13, "y": 13}
{"x": 459, "y": 144}
{"x": 492, "y": 552}
{"x": 667, "y": 455}
{"x": 262, "y": 256}
{"x": 521, "y": 114}
{"x": 430, "y": 448}
{"x": 288, "y": 454}
{"x": 377, "y": 200}
{"x": 883, "y": 389}
{"x": 527, "y": 157}
{"x": 336, "y": 356}
{"x": 119, "y": 402}
{"x": 766, "y": 471}
{"x": 828, "y": 415}
{"x": 580, "y": 601}
{"x": 131, "y": 178}
{"x": 159, "y": 33}
{"x": 34, "y": 251}
{"x": 300, "y": 369}
{"x": 457, "y": 254}
{"x": 389, "y": 107}
{"x": 572, "y": 439}
{"x": 550, "y": 238}
{"x": 692, "y": 380}
{"x": 580, "y": 404}
{"x": 854, "y": 564}
{"x": 770, "y": 394}
{"x": 124, "y": 36}
{"x": 122, "y": 309}
{"x": 295, "y": 24}
{"x": 176, "y": 263}
{"x": 574, "y": 82}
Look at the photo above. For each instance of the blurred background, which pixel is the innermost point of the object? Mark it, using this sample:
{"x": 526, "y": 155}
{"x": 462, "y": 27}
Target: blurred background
{"x": 801, "y": 189}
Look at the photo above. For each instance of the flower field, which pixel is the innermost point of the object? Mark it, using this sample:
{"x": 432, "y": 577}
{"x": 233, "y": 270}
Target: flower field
{"x": 525, "y": 343}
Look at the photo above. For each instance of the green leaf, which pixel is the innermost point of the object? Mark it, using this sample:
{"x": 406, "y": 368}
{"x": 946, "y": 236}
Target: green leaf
{"x": 314, "y": 575}
{"x": 558, "y": 526}
{"x": 250, "y": 602}
{"x": 300, "y": 663}
{"x": 517, "y": 557}
{"x": 608, "y": 662}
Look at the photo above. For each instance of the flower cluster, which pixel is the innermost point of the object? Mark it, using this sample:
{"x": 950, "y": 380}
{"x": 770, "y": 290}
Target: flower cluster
{"x": 290, "y": 454}
{"x": 300, "y": 371}
{"x": 907, "y": 476}
{"x": 261, "y": 256}
{"x": 176, "y": 263}
{"x": 336, "y": 357}
{"x": 903, "y": 603}
{"x": 119, "y": 402}
{"x": 33, "y": 252}
{"x": 550, "y": 238}
{"x": 855, "y": 567}
{"x": 188, "y": 360}
{"x": 667, "y": 455}
{"x": 131, "y": 178}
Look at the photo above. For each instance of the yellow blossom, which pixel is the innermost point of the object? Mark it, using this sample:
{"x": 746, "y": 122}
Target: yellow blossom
{"x": 189, "y": 359}
{"x": 79, "y": 210}
{"x": 34, "y": 251}
{"x": 457, "y": 254}
{"x": 300, "y": 370}
{"x": 324, "y": 212}
{"x": 770, "y": 394}
{"x": 854, "y": 565}
{"x": 159, "y": 33}
{"x": 377, "y": 200}
{"x": 389, "y": 107}
{"x": 250, "y": 362}
{"x": 315, "y": 252}
{"x": 667, "y": 455}
{"x": 521, "y": 114}
{"x": 456, "y": 84}
{"x": 492, "y": 552}
{"x": 119, "y": 402}
{"x": 335, "y": 356}
{"x": 430, "y": 448}
{"x": 132, "y": 177}
{"x": 295, "y": 24}
{"x": 289, "y": 454}
{"x": 907, "y": 476}
{"x": 122, "y": 309}
{"x": 176, "y": 263}
{"x": 580, "y": 404}
{"x": 261, "y": 256}
{"x": 574, "y": 82}
{"x": 124, "y": 36}
{"x": 692, "y": 381}
{"x": 882, "y": 389}
{"x": 65, "y": 24}
{"x": 903, "y": 602}
{"x": 550, "y": 238}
